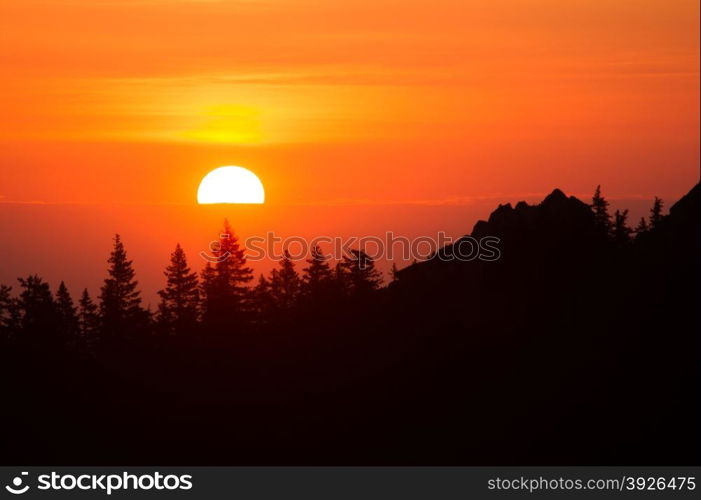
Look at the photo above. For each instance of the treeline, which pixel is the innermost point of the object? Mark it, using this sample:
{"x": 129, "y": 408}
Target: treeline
{"x": 218, "y": 299}
{"x": 222, "y": 299}
{"x": 616, "y": 228}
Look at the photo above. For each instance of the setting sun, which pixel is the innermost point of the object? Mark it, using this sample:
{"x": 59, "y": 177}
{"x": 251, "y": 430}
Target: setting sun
{"x": 230, "y": 185}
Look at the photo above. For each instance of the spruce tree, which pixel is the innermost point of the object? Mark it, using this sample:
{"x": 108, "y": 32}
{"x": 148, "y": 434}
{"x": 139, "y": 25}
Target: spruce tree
{"x": 37, "y": 311}
{"x": 317, "y": 277}
{"x": 66, "y": 314}
{"x": 120, "y": 300}
{"x": 224, "y": 284}
{"x": 656, "y": 213}
{"x": 285, "y": 284}
{"x": 621, "y": 231}
{"x": 179, "y": 305}
{"x": 642, "y": 226}
{"x": 360, "y": 274}
{"x": 340, "y": 282}
{"x": 601, "y": 216}
{"x": 262, "y": 300}
{"x": 88, "y": 319}
{"x": 207, "y": 290}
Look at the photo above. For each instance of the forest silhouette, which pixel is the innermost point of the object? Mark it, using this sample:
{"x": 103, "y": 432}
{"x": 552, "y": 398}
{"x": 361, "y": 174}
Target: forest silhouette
{"x": 579, "y": 345}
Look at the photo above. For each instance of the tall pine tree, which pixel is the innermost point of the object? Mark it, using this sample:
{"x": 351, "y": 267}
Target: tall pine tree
{"x": 360, "y": 274}
{"x": 67, "y": 315}
{"x": 285, "y": 284}
{"x": 88, "y": 321}
{"x": 262, "y": 300}
{"x": 317, "y": 277}
{"x": 120, "y": 300}
{"x": 601, "y": 215}
{"x": 178, "y": 310}
{"x": 224, "y": 285}
{"x": 656, "y": 213}
{"x": 621, "y": 231}
{"x": 37, "y": 312}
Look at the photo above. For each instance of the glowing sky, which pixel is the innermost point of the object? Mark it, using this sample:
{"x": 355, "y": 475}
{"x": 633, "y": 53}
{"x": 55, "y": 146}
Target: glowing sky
{"x": 354, "y": 103}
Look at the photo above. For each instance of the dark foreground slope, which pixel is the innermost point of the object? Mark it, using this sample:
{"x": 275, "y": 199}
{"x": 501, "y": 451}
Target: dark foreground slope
{"x": 569, "y": 349}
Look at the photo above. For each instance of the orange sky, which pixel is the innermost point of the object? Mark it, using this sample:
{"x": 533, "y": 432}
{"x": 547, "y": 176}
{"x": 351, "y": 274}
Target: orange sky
{"x": 372, "y": 107}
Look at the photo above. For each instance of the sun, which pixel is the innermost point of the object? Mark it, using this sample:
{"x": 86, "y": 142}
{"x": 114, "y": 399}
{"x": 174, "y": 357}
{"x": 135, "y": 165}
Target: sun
{"x": 230, "y": 185}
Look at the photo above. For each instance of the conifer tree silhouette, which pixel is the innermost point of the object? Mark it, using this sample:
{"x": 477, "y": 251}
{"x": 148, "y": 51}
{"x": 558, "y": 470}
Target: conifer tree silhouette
{"x": 120, "y": 300}
{"x": 207, "y": 291}
{"x": 359, "y": 273}
{"x": 262, "y": 300}
{"x": 642, "y": 227}
{"x": 340, "y": 283}
{"x": 224, "y": 284}
{"x": 621, "y": 231}
{"x": 66, "y": 314}
{"x": 317, "y": 277}
{"x": 88, "y": 320}
{"x": 601, "y": 215}
{"x": 285, "y": 284}
{"x": 37, "y": 311}
{"x": 656, "y": 213}
{"x": 178, "y": 310}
